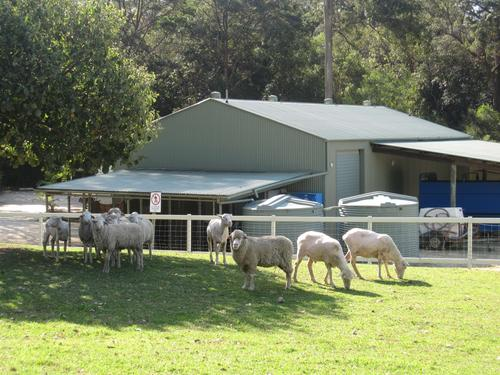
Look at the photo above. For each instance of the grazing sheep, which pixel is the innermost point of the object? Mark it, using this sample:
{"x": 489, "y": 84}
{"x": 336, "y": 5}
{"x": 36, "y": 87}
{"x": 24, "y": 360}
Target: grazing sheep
{"x": 217, "y": 235}
{"x": 250, "y": 252}
{"x": 58, "y": 230}
{"x": 147, "y": 227}
{"x": 319, "y": 247}
{"x": 369, "y": 244}
{"x": 113, "y": 237}
{"x": 85, "y": 234}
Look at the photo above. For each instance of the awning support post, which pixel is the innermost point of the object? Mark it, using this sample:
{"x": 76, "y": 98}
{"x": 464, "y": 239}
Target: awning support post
{"x": 453, "y": 185}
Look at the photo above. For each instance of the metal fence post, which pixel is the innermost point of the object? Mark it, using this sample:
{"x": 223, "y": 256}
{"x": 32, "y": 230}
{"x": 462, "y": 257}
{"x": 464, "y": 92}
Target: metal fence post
{"x": 469, "y": 241}
{"x": 189, "y": 228}
{"x": 40, "y": 220}
{"x": 370, "y": 223}
{"x": 273, "y": 225}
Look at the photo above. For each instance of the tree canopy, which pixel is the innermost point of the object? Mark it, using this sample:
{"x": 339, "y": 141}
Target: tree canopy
{"x": 71, "y": 101}
{"x": 81, "y": 81}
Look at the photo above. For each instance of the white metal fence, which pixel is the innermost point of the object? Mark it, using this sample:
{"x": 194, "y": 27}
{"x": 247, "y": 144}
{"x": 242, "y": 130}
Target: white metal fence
{"x": 444, "y": 240}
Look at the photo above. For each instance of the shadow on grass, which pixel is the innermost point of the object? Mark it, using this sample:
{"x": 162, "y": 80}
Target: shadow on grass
{"x": 404, "y": 282}
{"x": 173, "y": 290}
{"x": 339, "y": 289}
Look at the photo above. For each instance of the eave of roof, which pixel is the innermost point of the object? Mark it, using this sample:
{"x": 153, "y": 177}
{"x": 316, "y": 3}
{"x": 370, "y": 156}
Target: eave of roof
{"x": 183, "y": 184}
{"x": 468, "y": 151}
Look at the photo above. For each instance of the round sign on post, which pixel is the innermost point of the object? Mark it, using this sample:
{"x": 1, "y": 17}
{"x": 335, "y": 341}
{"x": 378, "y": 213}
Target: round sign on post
{"x": 155, "y": 202}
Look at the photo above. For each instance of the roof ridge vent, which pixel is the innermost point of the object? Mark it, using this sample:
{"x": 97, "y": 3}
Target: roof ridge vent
{"x": 328, "y": 101}
{"x": 272, "y": 98}
{"x": 215, "y": 95}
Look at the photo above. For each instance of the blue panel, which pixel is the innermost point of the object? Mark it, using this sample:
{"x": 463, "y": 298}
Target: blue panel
{"x": 477, "y": 198}
{"x": 315, "y": 197}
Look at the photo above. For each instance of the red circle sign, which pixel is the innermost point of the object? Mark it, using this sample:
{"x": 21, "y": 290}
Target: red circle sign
{"x": 155, "y": 198}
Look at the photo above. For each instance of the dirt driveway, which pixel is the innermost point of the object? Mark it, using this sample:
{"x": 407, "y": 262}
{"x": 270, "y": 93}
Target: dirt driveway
{"x": 27, "y": 230}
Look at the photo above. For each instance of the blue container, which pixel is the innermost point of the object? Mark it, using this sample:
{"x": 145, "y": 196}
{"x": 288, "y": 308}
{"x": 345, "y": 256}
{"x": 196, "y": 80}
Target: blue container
{"x": 315, "y": 197}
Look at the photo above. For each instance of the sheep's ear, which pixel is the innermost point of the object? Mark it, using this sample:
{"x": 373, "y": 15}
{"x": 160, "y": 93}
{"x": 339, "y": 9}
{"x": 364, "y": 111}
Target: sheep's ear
{"x": 219, "y": 215}
{"x": 245, "y": 236}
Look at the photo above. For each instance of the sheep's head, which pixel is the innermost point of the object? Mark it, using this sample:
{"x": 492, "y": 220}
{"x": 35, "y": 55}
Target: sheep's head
{"x": 134, "y": 217}
{"x": 112, "y": 218}
{"x": 347, "y": 276}
{"x": 236, "y": 239}
{"x": 400, "y": 268}
{"x": 86, "y": 217}
{"x": 98, "y": 223}
{"x": 115, "y": 210}
{"x": 227, "y": 220}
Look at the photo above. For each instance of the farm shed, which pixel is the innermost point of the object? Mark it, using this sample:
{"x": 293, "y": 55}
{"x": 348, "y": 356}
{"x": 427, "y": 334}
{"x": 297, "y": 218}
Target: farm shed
{"x": 336, "y": 150}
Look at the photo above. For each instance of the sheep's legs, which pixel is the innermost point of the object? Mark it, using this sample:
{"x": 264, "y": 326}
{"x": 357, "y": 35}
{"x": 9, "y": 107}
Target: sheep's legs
{"x": 107, "y": 258}
{"x": 45, "y": 240}
{"x": 131, "y": 260}
{"x": 328, "y": 277}
{"x": 65, "y": 248}
{"x": 380, "y": 260}
{"x": 288, "y": 279}
{"x": 251, "y": 277}
{"x": 297, "y": 263}
{"x": 354, "y": 267}
{"x": 209, "y": 240}
{"x": 223, "y": 246}
{"x": 246, "y": 281}
{"x": 387, "y": 269}
{"x": 310, "y": 268}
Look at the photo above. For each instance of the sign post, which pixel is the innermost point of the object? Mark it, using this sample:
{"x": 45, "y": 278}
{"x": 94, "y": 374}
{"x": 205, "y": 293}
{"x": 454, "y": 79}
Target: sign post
{"x": 155, "y": 202}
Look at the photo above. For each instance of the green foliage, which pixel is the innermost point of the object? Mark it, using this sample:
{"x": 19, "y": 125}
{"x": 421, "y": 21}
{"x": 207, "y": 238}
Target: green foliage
{"x": 71, "y": 101}
{"x": 484, "y": 123}
{"x": 184, "y": 316}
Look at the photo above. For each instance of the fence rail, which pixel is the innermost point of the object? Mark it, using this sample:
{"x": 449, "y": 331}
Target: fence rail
{"x": 476, "y": 241}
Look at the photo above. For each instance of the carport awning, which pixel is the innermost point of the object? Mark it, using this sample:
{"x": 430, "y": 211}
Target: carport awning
{"x": 485, "y": 154}
{"x": 220, "y": 186}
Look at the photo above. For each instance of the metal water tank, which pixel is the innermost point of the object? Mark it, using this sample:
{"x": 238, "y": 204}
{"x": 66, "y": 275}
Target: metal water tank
{"x": 381, "y": 203}
{"x": 282, "y": 205}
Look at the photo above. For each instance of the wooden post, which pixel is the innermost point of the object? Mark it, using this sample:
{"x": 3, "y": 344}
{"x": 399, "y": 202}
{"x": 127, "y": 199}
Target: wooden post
{"x": 40, "y": 220}
{"x": 69, "y": 220}
{"x": 188, "y": 234}
{"x": 469, "y": 242}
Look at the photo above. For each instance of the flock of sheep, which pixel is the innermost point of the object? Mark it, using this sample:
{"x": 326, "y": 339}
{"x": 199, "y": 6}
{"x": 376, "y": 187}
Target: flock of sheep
{"x": 112, "y": 232}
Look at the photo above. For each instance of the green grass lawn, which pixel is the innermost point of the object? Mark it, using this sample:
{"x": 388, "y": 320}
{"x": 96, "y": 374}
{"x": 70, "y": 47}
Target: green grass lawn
{"x": 183, "y": 315}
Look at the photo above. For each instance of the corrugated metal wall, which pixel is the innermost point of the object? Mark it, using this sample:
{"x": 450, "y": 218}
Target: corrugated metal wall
{"x": 347, "y": 175}
{"x": 214, "y": 136}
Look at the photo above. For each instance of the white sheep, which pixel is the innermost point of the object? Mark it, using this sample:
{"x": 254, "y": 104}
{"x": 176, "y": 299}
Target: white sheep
{"x": 217, "y": 235}
{"x": 113, "y": 237}
{"x": 147, "y": 227}
{"x": 58, "y": 230}
{"x": 370, "y": 244}
{"x": 319, "y": 247}
{"x": 85, "y": 234}
{"x": 115, "y": 216}
{"x": 268, "y": 251}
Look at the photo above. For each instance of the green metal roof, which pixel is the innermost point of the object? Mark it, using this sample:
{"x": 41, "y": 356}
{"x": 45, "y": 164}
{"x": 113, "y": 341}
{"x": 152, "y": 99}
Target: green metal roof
{"x": 345, "y": 122}
{"x": 219, "y": 185}
{"x": 472, "y": 150}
